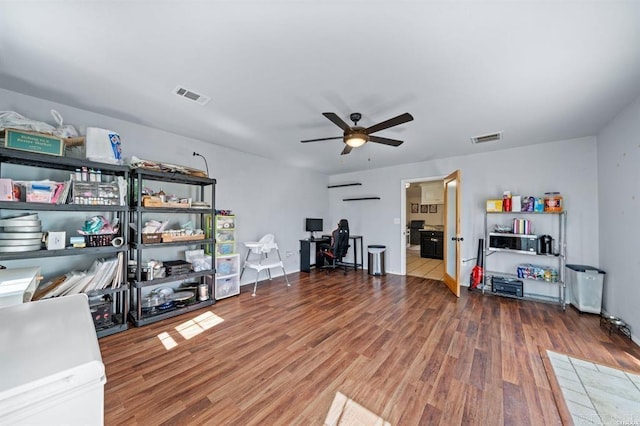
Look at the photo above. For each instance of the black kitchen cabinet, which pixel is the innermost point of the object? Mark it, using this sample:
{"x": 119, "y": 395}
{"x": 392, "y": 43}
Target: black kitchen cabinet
{"x": 432, "y": 244}
{"x": 414, "y": 231}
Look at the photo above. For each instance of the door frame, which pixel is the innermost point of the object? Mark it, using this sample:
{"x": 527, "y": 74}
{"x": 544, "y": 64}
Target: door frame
{"x": 403, "y": 216}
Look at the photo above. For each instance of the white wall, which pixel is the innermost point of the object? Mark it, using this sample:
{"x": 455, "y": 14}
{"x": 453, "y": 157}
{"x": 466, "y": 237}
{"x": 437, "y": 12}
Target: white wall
{"x": 266, "y": 196}
{"x": 619, "y": 205}
{"x": 565, "y": 166}
{"x": 271, "y": 197}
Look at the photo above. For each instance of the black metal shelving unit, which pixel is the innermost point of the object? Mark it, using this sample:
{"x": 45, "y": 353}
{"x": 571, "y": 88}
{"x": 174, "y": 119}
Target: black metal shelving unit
{"x": 120, "y": 295}
{"x": 138, "y": 213}
{"x": 559, "y": 231}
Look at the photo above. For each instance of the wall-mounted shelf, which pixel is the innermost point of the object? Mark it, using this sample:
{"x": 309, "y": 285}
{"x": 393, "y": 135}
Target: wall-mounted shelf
{"x": 360, "y": 198}
{"x": 340, "y": 185}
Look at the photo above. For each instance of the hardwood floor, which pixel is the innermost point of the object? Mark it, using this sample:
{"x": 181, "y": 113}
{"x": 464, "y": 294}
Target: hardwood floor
{"x": 411, "y": 353}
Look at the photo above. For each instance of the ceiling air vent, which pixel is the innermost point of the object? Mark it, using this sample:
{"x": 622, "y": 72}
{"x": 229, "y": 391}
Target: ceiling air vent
{"x": 191, "y": 95}
{"x": 487, "y": 138}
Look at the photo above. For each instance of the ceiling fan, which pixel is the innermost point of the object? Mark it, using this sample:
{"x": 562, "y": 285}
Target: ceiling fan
{"x": 355, "y": 136}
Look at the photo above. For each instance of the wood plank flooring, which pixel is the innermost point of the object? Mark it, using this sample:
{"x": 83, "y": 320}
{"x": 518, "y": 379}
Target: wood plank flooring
{"x": 403, "y": 347}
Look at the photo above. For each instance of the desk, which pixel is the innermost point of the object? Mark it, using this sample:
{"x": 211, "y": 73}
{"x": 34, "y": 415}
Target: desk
{"x": 355, "y": 238}
{"x": 305, "y": 253}
{"x": 355, "y": 264}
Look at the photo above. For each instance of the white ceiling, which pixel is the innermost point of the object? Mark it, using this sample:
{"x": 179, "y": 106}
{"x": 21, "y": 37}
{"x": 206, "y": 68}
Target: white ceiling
{"x": 538, "y": 71}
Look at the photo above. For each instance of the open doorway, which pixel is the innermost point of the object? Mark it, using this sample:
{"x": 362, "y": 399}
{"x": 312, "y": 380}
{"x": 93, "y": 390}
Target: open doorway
{"x": 424, "y": 228}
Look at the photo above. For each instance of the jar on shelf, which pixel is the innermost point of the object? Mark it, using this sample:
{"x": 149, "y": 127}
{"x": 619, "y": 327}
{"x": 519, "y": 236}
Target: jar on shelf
{"x": 506, "y": 201}
{"x": 552, "y": 202}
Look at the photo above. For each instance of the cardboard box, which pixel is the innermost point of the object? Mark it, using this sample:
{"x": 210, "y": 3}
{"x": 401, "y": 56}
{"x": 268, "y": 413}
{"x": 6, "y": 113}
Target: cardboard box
{"x": 151, "y": 201}
{"x": 152, "y": 238}
{"x": 6, "y": 190}
{"x": 155, "y": 201}
{"x": 494, "y": 205}
{"x": 168, "y": 238}
{"x": 39, "y": 142}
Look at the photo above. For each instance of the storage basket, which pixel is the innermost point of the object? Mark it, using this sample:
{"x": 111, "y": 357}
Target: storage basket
{"x": 98, "y": 240}
{"x": 152, "y": 238}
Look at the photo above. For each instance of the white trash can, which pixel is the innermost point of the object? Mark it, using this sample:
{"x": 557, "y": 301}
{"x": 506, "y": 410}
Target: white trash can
{"x": 585, "y": 287}
{"x": 376, "y": 260}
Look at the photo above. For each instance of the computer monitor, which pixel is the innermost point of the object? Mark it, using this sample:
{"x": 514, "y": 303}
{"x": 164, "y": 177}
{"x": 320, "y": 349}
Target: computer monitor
{"x": 313, "y": 225}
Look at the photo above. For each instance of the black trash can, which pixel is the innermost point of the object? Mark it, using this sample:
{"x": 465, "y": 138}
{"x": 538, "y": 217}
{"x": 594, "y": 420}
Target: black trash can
{"x": 376, "y": 260}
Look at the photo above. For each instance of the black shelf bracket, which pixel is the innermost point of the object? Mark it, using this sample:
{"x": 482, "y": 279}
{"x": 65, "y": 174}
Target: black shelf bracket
{"x": 344, "y": 184}
{"x": 360, "y": 198}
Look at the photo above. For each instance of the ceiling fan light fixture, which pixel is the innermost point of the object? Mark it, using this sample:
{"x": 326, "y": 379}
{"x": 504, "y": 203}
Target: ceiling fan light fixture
{"x": 356, "y": 140}
{"x": 356, "y": 137}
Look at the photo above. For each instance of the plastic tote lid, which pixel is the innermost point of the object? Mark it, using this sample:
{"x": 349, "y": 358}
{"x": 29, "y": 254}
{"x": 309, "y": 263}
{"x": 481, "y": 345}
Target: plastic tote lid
{"x": 585, "y": 268}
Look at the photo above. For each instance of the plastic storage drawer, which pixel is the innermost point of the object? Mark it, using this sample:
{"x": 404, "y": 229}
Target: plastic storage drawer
{"x": 226, "y": 266}
{"x": 226, "y": 287}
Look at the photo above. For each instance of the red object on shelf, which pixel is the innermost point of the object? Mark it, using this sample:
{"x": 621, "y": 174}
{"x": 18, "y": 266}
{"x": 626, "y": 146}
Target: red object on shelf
{"x": 506, "y": 202}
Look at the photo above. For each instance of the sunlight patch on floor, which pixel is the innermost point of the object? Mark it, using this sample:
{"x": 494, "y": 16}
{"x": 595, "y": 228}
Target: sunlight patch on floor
{"x": 346, "y": 412}
{"x": 167, "y": 341}
{"x": 190, "y": 328}
{"x": 195, "y": 326}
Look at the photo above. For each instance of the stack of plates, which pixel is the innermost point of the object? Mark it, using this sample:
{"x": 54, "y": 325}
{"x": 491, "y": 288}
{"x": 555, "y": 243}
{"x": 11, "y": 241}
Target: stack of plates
{"x": 20, "y": 233}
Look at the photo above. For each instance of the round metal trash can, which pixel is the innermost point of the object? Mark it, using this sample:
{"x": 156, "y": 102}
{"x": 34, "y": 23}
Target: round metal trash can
{"x": 376, "y": 260}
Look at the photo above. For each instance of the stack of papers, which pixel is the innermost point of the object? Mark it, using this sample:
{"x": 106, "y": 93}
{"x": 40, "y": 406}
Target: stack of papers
{"x": 104, "y": 273}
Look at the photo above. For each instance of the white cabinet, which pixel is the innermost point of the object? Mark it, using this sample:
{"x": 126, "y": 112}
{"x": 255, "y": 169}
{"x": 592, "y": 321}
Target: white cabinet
{"x": 513, "y": 258}
{"x": 227, "y": 282}
{"x": 432, "y": 192}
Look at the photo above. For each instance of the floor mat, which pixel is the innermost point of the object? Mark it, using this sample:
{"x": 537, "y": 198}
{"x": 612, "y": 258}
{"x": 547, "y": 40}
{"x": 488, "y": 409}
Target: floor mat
{"x": 593, "y": 394}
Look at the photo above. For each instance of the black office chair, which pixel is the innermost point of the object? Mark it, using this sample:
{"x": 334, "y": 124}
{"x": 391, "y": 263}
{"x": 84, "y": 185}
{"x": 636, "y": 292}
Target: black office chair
{"x": 333, "y": 254}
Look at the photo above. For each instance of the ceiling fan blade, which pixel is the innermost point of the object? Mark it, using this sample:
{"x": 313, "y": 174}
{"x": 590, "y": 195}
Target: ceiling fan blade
{"x": 402, "y": 118}
{"x": 321, "y": 139}
{"x": 347, "y": 149}
{"x": 386, "y": 141}
{"x": 336, "y": 120}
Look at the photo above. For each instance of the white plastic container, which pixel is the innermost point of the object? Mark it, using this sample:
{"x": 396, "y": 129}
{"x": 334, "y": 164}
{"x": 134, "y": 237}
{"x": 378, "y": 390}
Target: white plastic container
{"x": 585, "y": 285}
{"x": 17, "y": 285}
{"x": 103, "y": 145}
{"x": 50, "y": 364}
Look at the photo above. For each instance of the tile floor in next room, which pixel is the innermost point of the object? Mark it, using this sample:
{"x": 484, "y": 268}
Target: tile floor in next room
{"x": 422, "y": 267}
